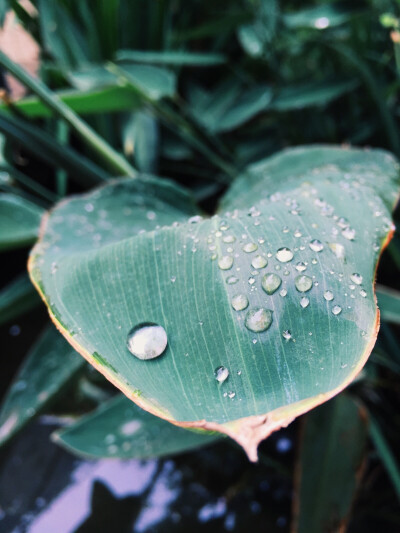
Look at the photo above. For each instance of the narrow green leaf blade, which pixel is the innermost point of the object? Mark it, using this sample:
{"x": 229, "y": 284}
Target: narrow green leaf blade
{"x": 19, "y": 221}
{"x": 330, "y": 463}
{"x": 48, "y": 367}
{"x": 17, "y": 298}
{"x": 174, "y": 58}
{"x": 119, "y": 428}
{"x": 389, "y": 304}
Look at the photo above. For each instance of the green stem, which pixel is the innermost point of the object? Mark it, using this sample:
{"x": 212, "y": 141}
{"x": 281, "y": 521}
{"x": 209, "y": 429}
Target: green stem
{"x": 110, "y": 157}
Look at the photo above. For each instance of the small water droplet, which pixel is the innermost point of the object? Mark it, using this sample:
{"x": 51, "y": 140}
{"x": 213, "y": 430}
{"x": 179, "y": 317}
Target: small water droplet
{"x": 363, "y": 293}
{"x": 231, "y": 280}
{"x": 173, "y": 279}
{"x": 286, "y": 335}
{"x": 226, "y": 262}
{"x": 284, "y": 255}
{"x": 336, "y": 309}
{"x": 304, "y": 302}
{"x": 297, "y": 234}
{"x": 328, "y": 295}
{"x": 349, "y": 233}
{"x": 231, "y": 394}
{"x": 259, "y": 262}
{"x": 229, "y": 238}
{"x": 151, "y": 215}
{"x": 337, "y": 249}
{"x": 271, "y": 283}
{"x": 250, "y": 247}
{"x": 258, "y": 319}
{"x": 240, "y": 302}
{"x": 303, "y": 283}
{"x": 300, "y": 266}
{"x": 195, "y": 219}
{"x": 316, "y": 245}
{"x": 147, "y": 340}
{"x": 89, "y": 208}
{"x": 283, "y": 292}
{"x": 221, "y": 374}
{"x": 285, "y": 229}
{"x": 251, "y": 281}
{"x": 356, "y": 278}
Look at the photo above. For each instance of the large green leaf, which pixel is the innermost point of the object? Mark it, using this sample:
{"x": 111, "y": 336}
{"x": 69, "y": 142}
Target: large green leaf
{"x": 19, "y": 221}
{"x": 49, "y": 366}
{"x": 106, "y": 263}
{"x": 119, "y": 428}
{"x": 330, "y": 465}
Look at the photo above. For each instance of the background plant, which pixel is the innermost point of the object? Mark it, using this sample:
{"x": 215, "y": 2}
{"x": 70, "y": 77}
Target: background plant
{"x": 196, "y": 93}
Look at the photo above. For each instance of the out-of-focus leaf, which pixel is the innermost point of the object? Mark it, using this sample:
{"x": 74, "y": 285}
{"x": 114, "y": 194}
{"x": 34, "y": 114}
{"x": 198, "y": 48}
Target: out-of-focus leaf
{"x": 49, "y": 366}
{"x": 102, "y": 100}
{"x": 137, "y": 255}
{"x": 218, "y": 26}
{"x": 256, "y": 37}
{"x": 154, "y": 82}
{"x": 310, "y": 94}
{"x": 322, "y": 16}
{"x": 388, "y": 303}
{"x": 17, "y": 298}
{"x": 330, "y": 464}
{"x": 119, "y": 428}
{"x": 19, "y": 221}
{"x": 141, "y": 141}
{"x": 386, "y": 454}
{"x": 172, "y": 58}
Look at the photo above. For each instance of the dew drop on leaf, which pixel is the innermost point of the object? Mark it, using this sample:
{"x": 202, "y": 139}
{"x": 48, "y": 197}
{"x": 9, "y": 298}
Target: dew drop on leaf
{"x": 231, "y": 280}
{"x": 250, "y": 247}
{"x": 259, "y": 262}
{"x": 356, "y": 278}
{"x": 363, "y": 293}
{"x": 300, "y": 266}
{"x": 231, "y": 394}
{"x": 147, "y": 340}
{"x": 221, "y": 374}
{"x": 328, "y": 295}
{"x": 337, "y": 249}
{"x": 349, "y": 233}
{"x": 287, "y": 335}
{"x": 271, "y": 283}
{"x": 228, "y": 238}
{"x": 239, "y": 302}
{"x": 258, "y": 319}
{"x": 336, "y": 309}
{"x": 303, "y": 283}
{"x": 316, "y": 245}
{"x": 226, "y": 262}
{"x": 304, "y": 302}
{"x": 284, "y": 255}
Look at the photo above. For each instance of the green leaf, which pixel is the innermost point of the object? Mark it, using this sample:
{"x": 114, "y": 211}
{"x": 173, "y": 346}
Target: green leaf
{"x": 141, "y": 140}
{"x": 389, "y": 304}
{"x": 117, "y": 267}
{"x": 17, "y": 298}
{"x": 119, "y": 428}
{"x": 19, "y": 221}
{"x": 94, "y": 101}
{"x": 321, "y": 17}
{"x": 330, "y": 464}
{"x": 174, "y": 58}
{"x": 48, "y": 367}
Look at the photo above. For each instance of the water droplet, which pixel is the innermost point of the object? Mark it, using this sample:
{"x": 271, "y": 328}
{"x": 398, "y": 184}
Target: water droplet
{"x": 229, "y": 238}
{"x": 271, "y": 283}
{"x": 356, "y": 278}
{"x": 239, "y": 302}
{"x": 258, "y": 319}
{"x": 284, "y": 255}
{"x": 300, "y": 266}
{"x": 259, "y": 262}
{"x": 221, "y": 374}
{"x": 337, "y": 249}
{"x": 283, "y": 293}
{"x": 328, "y": 295}
{"x": 316, "y": 245}
{"x": 195, "y": 219}
{"x": 304, "y": 302}
{"x": 223, "y": 226}
{"x": 363, "y": 293}
{"x": 173, "y": 279}
{"x": 349, "y": 233}
{"x": 251, "y": 281}
{"x": 336, "y": 309}
{"x": 151, "y": 215}
{"x": 231, "y": 394}
{"x": 147, "y": 340}
{"x": 231, "y": 280}
{"x": 250, "y": 247}
{"x": 226, "y": 262}
{"x": 297, "y": 234}
{"x": 89, "y": 208}
{"x": 303, "y": 283}
{"x": 286, "y": 335}
{"x": 285, "y": 229}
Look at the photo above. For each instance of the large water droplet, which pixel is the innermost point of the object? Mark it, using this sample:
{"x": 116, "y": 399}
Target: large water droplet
{"x": 239, "y": 302}
{"x": 328, "y": 295}
{"x": 221, "y": 374}
{"x": 147, "y": 340}
{"x": 258, "y": 319}
{"x": 356, "y": 278}
{"x": 250, "y": 247}
{"x": 271, "y": 283}
{"x": 226, "y": 262}
{"x": 303, "y": 283}
{"x": 316, "y": 245}
{"x": 284, "y": 255}
{"x": 336, "y": 309}
{"x": 259, "y": 262}
{"x": 304, "y": 302}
